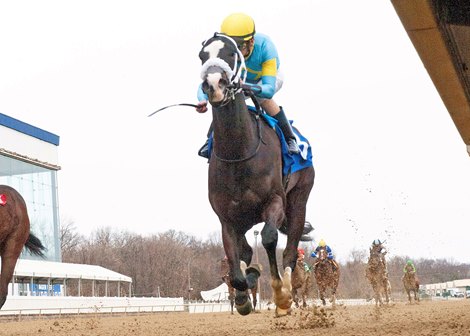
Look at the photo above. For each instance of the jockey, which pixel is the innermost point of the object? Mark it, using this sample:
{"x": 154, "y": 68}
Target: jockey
{"x": 409, "y": 267}
{"x": 262, "y": 66}
{"x": 330, "y": 256}
{"x": 301, "y": 257}
{"x": 300, "y": 254}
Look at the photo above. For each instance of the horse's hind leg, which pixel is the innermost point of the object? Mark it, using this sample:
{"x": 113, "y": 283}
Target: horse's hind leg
{"x": 11, "y": 254}
{"x": 281, "y": 289}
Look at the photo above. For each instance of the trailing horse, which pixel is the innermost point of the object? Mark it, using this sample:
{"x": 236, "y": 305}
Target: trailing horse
{"x": 376, "y": 273}
{"x": 411, "y": 284}
{"x": 14, "y": 235}
{"x": 301, "y": 280}
{"x": 326, "y": 275}
{"x": 225, "y": 273}
{"x": 246, "y": 182}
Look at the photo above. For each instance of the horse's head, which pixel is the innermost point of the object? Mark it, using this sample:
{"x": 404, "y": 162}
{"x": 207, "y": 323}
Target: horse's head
{"x": 322, "y": 254}
{"x": 375, "y": 258}
{"x": 222, "y": 65}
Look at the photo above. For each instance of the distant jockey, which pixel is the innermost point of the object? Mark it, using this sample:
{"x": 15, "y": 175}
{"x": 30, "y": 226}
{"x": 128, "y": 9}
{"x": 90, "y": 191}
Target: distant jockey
{"x": 322, "y": 245}
{"x": 377, "y": 246}
{"x": 301, "y": 257}
{"x": 409, "y": 267}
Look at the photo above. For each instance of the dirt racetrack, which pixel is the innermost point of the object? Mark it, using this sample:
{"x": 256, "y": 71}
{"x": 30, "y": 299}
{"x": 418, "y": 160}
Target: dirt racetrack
{"x": 427, "y": 318}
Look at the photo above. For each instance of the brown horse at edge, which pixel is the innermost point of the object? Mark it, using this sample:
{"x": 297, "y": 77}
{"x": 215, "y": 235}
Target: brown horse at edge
{"x": 14, "y": 235}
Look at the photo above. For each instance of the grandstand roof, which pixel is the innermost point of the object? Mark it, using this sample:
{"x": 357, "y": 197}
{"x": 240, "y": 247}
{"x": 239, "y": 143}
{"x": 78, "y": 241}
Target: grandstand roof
{"x": 440, "y": 33}
{"x": 39, "y": 269}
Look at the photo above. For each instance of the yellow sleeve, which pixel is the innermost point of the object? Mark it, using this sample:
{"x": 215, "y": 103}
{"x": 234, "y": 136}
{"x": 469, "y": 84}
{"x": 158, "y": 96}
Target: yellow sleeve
{"x": 269, "y": 68}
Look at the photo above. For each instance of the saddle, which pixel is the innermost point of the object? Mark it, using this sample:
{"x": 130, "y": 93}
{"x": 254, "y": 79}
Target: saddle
{"x": 290, "y": 162}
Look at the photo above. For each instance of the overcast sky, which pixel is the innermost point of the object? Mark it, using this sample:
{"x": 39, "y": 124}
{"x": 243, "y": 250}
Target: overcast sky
{"x": 390, "y": 163}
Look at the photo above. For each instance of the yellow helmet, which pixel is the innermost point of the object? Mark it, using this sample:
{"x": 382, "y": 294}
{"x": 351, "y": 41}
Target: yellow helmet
{"x": 322, "y": 243}
{"x": 239, "y": 26}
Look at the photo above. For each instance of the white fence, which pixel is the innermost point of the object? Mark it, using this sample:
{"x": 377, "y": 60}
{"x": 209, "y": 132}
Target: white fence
{"x": 34, "y": 305}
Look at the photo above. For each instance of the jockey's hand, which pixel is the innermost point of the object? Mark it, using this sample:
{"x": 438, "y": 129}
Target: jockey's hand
{"x": 202, "y": 106}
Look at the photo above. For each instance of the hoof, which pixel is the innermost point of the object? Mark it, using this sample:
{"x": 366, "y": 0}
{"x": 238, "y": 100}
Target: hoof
{"x": 280, "y": 312}
{"x": 255, "y": 268}
{"x": 245, "y": 308}
{"x": 307, "y": 228}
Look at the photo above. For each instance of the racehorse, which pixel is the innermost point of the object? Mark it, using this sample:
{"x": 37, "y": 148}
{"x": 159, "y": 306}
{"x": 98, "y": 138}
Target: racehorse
{"x": 301, "y": 279}
{"x": 225, "y": 273}
{"x": 246, "y": 184}
{"x": 327, "y": 276}
{"x": 411, "y": 284}
{"x": 14, "y": 235}
{"x": 376, "y": 273}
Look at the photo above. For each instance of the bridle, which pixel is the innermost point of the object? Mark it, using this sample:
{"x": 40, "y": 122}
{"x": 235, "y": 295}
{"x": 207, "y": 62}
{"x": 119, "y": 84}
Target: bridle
{"x": 235, "y": 76}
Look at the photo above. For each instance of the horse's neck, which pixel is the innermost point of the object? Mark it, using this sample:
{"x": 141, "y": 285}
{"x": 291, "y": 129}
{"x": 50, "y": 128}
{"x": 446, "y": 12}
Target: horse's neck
{"x": 235, "y": 133}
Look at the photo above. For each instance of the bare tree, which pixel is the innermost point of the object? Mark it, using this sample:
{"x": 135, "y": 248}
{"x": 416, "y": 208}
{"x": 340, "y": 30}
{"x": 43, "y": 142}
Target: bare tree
{"x": 69, "y": 238}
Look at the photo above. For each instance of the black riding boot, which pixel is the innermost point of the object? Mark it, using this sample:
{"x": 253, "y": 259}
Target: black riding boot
{"x": 204, "y": 150}
{"x": 286, "y": 128}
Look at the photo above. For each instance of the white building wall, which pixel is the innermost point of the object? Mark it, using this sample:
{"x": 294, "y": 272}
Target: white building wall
{"x": 26, "y": 145}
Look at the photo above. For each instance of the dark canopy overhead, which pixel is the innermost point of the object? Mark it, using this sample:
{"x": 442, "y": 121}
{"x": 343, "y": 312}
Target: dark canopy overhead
{"x": 440, "y": 32}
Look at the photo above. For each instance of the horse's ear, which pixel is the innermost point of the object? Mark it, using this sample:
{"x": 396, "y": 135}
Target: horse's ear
{"x": 203, "y": 55}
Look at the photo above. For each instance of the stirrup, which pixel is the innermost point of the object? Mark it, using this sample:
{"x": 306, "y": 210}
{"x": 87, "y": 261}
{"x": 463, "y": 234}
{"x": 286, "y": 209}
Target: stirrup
{"x": 292, "y": 146}
{"x": 204, "y": 150}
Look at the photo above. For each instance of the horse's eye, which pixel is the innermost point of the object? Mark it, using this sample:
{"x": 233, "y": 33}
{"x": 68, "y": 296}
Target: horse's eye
{"x": 223, "y": 83}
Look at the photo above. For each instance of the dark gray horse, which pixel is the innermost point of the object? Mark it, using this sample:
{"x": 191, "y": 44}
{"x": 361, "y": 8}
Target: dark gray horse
{"x": 246, "y": 184}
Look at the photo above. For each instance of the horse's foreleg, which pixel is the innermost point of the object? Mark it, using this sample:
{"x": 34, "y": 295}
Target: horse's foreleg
{"x": 238, "y": 281}
{"x": 231, "y": 297}
{"x": 230, "y": 240}
{"x": 322, "y": 296}
{"x": 254, "y": 291}
{"x": 8, "y": 267}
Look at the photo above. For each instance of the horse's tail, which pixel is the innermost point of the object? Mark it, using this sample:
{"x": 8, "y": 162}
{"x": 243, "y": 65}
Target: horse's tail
{"x": 34, "y": 245}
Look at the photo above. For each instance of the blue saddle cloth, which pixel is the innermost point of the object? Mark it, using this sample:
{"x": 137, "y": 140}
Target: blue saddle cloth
{"x": 290, "y": 162}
